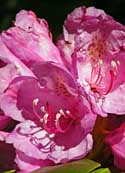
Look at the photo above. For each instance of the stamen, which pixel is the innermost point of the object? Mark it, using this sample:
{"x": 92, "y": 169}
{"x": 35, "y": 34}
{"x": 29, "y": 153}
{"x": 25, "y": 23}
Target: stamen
{"x": 58, "y": 115}
{"x": 35, "y": 103}
{"x": 118, "y": 62}
{"x": 96, "y": 74}
{"x": 51, "y": 123}
{"x": 111, "y": 83}
{"x": 51, "y": 135}
{"x": 96, "y": 83}
{"x": 113, "y": 64}
{"x": 50, "y": 118}
{"x": 59, "y": 128}
{"x": 45, "y": 117}
{"x": 68, "y": 112}
{"x": 42, "y": 109}
{"x": 61, "y": 111}
{"x": 45, "y": 124}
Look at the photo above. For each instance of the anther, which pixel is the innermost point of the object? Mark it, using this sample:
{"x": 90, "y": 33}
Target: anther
{"x": 113, "y": 64}
{"x": 45, "y": 117}
{"x": 68, "y": 112}
{"x": 61, "y": 112}
{"x": 35, "y": 101}
{"x": 51, "y": 135}
{"x": 58, "y": 115}
{"x": 42, "y": 109}
{"x": 118, "y": 62}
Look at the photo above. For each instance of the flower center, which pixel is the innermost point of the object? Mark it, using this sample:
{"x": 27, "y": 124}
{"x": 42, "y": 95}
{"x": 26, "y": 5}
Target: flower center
{"x": 53, "y": 123}
{"x": 97, "y": 48}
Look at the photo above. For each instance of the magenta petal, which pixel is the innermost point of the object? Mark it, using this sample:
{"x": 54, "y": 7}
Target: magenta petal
{"x": 9, "y": 101}
{"x": 80, "y": 15}
{"x": 58, "y": 74}
{"x": 53, "y": 113}
{"x": 20, "y": 96}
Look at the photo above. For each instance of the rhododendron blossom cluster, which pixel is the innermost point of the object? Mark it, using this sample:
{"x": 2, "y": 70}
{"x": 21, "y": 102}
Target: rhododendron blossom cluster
{"x": 92, "y": 48}
{"x": 51, "y": 95}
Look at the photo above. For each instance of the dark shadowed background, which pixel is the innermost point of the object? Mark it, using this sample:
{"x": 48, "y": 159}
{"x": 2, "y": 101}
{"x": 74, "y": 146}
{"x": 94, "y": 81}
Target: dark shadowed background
{"x": 55, "y": 11}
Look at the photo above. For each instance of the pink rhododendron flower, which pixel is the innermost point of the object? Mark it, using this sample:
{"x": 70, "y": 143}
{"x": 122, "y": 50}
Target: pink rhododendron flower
{"x": 76, "y": 21}
{"x": 116, "y": 141}
{"x": 48, "y": 102}
{"x": 52, "y": 115}
{"x": 92, "y": 47}
{"x": 29, "y": 40}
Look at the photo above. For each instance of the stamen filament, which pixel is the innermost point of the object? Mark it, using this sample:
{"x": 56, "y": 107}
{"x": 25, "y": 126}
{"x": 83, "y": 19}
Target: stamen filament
{"x": 111, "y": 83}
{"x": 50, "y": 114}
{"x": 52, "y": 123}
{"x": 58, "y": 126}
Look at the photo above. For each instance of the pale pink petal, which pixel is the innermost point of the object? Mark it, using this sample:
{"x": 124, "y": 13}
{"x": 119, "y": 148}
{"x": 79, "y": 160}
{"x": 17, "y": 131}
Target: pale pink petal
{"x": 29, "y": 40}
{"x": 77, "y": 152}
{"x": 115, "y": 101}
{"x": 29, "y": 164}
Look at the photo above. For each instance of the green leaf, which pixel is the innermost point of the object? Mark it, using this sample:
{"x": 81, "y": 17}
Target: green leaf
{"x": 11, "y": 171}
{"x": 102, "y": 170}
{"x": 81, "y": 166}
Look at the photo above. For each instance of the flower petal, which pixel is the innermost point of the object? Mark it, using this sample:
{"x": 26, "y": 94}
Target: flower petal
{"x": 29, "y": 41}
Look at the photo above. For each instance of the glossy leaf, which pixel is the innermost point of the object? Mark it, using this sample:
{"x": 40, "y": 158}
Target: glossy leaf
{"x": 102, "y": 170}
{"x": 72, "y": 167}
{"x": 11, "y": 171}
